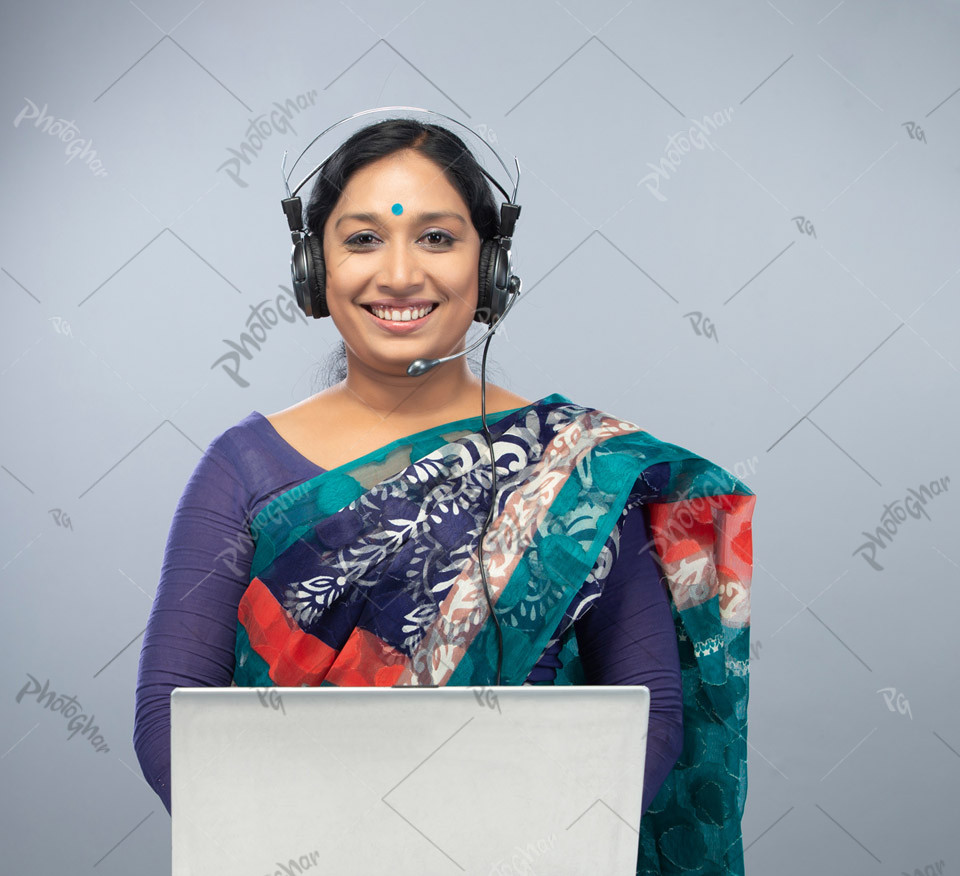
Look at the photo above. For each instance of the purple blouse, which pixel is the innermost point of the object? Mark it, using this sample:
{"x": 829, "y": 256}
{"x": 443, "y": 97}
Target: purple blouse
{"x": 626, "y": 636}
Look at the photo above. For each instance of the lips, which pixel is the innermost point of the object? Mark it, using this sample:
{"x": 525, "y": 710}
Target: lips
{"x": 400, "y": 317}
{"x": 400, "y": 314}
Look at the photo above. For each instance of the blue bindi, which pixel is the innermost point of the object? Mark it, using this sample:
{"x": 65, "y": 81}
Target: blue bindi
{"x": 397, "y": 209}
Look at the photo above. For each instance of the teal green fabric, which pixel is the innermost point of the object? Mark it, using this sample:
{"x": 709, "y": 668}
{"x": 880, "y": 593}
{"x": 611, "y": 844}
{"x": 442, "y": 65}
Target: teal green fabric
{"x": 700, "y": 516}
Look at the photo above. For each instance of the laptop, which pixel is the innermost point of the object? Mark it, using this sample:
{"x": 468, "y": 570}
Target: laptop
{"x": 530, "y": 779}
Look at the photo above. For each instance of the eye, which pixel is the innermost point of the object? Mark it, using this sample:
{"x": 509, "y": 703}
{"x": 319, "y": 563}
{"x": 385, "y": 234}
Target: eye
{"x": 436, "y": 240}
{"x": 356, "y": 239}
{"x": 445, "y": 239}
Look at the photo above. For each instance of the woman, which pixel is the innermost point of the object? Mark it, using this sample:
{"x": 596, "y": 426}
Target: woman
{"x": 336, "y": 541}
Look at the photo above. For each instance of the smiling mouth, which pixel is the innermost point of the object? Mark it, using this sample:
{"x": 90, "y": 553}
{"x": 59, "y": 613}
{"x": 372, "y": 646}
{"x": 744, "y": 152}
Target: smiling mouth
{"x": 399, "y": 314}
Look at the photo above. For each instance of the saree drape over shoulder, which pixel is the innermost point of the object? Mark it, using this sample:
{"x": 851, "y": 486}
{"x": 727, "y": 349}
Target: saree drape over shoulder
{"x": 368, "y": 575}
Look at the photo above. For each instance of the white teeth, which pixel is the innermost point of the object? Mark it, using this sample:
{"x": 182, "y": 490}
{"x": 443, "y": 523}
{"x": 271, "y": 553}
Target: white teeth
{"x": 400, "y": 315}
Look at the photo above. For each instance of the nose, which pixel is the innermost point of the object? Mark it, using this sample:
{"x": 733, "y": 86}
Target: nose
{"x": 401, "y": 268}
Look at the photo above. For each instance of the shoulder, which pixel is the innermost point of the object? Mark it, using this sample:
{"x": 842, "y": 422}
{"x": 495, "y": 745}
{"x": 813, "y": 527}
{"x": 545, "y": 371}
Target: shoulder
{"x": 231, "y": 442}
{"x": 296, "y": 411}
{"x": 563, "y": 411}
{"x": 236, "y": 465}
{"x": 500, "y": 399}
{"x": 323, "y": 407}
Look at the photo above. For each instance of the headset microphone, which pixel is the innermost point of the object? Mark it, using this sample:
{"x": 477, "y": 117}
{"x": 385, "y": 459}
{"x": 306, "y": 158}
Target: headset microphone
{"x": 419, "y": 367}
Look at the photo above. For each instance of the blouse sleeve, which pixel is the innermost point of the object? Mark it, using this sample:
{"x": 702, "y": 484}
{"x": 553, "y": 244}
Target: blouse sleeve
{"x": 191, "y": 631}
{"x": 628, "y": 637}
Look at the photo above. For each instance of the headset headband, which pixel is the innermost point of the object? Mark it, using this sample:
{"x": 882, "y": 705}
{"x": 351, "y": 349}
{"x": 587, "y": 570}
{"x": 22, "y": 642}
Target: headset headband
{"x": 286, "y": 177}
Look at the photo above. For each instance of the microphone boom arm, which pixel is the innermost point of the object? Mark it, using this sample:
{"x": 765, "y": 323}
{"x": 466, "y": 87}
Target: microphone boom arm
{"x": 419, "y": 367}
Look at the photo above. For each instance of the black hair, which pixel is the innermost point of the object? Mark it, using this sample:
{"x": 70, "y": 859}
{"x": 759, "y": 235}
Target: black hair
{"x": 380, "y": 139}
{"x": 377, "y": 141}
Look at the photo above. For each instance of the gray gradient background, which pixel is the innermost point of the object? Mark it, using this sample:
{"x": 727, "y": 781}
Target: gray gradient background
{"x": 831, "y": 385}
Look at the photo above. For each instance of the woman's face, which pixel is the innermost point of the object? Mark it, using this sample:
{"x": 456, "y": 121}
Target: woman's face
{"x": 402, "y": 259}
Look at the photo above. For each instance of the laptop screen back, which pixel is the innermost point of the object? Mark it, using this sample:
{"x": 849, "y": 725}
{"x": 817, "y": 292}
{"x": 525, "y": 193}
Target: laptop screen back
{"x": 448, "y": 780}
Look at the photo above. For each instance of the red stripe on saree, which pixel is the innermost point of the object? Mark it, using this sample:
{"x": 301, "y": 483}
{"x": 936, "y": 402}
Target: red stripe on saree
{"x": 295, "y": 658}
{"x": 367, "y": 661}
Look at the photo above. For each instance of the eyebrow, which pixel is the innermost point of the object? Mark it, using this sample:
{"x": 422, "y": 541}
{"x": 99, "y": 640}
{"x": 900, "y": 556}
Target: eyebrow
{"x": 377, "y": 219}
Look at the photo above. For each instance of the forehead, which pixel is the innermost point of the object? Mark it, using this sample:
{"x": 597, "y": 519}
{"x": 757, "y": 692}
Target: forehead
{"x": 405, "y": 177}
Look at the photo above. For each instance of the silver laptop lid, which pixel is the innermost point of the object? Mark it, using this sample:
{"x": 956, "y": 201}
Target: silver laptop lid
{"x": 447, "y": 780}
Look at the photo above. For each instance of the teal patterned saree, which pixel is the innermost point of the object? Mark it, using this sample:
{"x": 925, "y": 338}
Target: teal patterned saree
{"x": 368, "y": 575}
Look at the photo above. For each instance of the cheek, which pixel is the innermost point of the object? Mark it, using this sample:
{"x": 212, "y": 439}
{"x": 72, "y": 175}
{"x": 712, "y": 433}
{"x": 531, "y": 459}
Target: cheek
{"x": 461, "y": 283}
{"x": 343, "y": 282}
{"x": 343, "y": 269}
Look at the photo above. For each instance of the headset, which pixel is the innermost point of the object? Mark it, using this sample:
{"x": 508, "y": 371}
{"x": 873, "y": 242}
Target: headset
{"x": 498, "y": 290}
{"x": 497, "y": 287}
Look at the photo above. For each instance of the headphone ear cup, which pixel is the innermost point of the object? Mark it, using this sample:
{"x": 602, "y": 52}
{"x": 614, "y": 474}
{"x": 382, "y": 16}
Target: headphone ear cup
{"x": 298, "y": 274}
{"x": 316, "y": 279}
{"x": 487, "y": 294}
